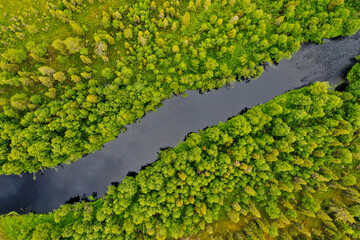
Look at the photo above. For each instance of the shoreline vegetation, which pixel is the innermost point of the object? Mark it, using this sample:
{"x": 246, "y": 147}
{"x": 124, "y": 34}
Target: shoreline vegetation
{"x": 286, "y": 169}
{"x": 73, "y": 73}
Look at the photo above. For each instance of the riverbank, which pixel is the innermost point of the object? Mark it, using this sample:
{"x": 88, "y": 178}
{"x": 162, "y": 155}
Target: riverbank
{"x": 74, "y": 75}
{"x": 168, "y": 126}
{"x": 275, "y": 167}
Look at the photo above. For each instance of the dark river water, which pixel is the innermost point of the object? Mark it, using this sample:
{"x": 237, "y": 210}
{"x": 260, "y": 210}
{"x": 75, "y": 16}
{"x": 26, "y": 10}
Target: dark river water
{"x": 142, "y": 141}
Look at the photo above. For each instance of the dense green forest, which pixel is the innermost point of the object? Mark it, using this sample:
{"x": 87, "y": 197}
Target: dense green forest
{"x": 73, "y": 73}
{"x": 287, "y": 169}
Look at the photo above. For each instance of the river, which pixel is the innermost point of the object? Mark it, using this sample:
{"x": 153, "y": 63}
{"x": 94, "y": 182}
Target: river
{"x": 142, "y": 141}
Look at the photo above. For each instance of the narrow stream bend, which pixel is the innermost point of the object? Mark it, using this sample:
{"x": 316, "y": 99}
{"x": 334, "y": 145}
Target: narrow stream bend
{"x": 140, "y": 144}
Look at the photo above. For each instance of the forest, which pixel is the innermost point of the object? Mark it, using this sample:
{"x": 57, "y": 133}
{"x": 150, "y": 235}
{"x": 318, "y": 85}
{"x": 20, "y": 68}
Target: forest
{"x": 74, "y": 73}
{"x": 286, "y": 169}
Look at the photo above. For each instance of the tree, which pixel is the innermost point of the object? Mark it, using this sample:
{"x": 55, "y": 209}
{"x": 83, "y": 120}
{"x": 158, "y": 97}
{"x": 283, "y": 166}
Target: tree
{"x": 175, "y": 48}
{"x": 51, "y": 93}
{"x": 60, "y": 46}
{"x": 280, "y": 128}
{"x": 107, "y": 73}
{"x": 309, "y": 203}
{"x": 253, "y": 210}
{"x": 59, "y": 76}
{"x": 37, "y": 49}
{"x": 344, "y": 155}
{"x": 15, "y": 55}
{"x": 272, "y": 210}
{"x": 341, "y": 214}
{"x": 273, "y": 109}
{"x": 77, "y": 28}
{"x": 335, "y": 3}
{"x": 86, "y": 75}
{"x": 153, "y": 5}
{"x": 355, "y": 210}
{"x": 207, "y": 4}
{"x": 72, "y": 44}
{"x": 349, "y": 180}
{"x": 36, "y": 99}
{"x": 233, "y": 215}
{"x": 165, "y": 23}
{"x": 25, "y": 81}
{"x": 46, "y": 81}
{"x": 174, "y": 26}
{"x": 110, "y": 39}
{"x": 76, "y": 78}
{"x": 232, "y": 33}
{"x": 32, "y": 29}
{"x": 186, "y": 20}
{"x": 19, "y": 101}
{"x": 92, "y": 98}
{"x": 46, "y": 71}
{"x": 101, "y": 48}
{"x": 42, "y": 232}
{"x": 128, "y": 226}
{"x": 249, "y": 190}
{"x": 238, "y": 126}
{"x": 128, "y": 34}
{"x": 85, "y": 59}
{"x": 273, "y": 231}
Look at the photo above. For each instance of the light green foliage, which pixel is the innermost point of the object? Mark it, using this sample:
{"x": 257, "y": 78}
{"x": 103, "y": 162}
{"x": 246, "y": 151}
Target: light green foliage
{"x": 46, "y": 71}
{"x": 77, "y": 28}
{"x": 92, "y": 98}
{"x": 59, "y": 45}
{"x": 46, "y": 81}
{"x": 232, "y": 33}
{"x": 134, "y": 57}
{"x": 335, "y": 3}
{"x": 107, "y": 73}
{"x": 36, "y": 99}
{"x": 19, "y": 101}
{"x": 15, "y": 55}
{"x": 309, "y": 203}
{"x": 110, "y": 39}
{"x": 186, "y": 20}
{"x": 175, "y": 48}
{"x": 128, "y": 33}
{"x": 60, "y": 76}
{"x": 268, "y": 185}
{"x": 72, "y": 44}
{"x": 86, "y": 75}
{"x": 234, "y": 216}
{"x": 51, "y": 93}
{"x": 85, "y": 59}
{"x": 32, "y": 29}
{"x": 349, "y": 180}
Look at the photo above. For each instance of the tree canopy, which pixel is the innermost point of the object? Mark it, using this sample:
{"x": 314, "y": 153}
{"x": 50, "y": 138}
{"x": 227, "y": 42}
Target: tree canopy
{"x": 74, "y": 73}
{"x": 241, "y": 179}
